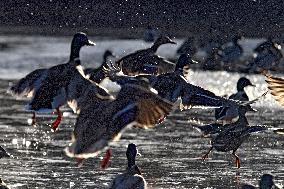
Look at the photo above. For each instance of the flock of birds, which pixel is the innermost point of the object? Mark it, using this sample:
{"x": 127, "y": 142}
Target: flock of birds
{"x": 150, "y": 88}
{"x": 223, "y": 55}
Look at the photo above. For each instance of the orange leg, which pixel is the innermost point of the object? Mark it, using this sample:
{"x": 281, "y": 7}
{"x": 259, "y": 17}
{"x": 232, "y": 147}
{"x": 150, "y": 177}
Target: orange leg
{"x": 207, "y": 154}
{"x": 34, "y": 119}
{"x": 104, "y": 162}
{"x": 55, "y": 124}
{"x": 238, "y": 162}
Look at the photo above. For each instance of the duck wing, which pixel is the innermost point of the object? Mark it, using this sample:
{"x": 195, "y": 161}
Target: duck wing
{"x": 97, "y": 126}
{"x": 52, "y": 93}
{"x": 276, "y": 87}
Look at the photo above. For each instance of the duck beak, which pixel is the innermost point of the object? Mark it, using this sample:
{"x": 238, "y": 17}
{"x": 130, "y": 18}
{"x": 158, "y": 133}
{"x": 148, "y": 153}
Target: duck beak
{"x": 90, "y": 43}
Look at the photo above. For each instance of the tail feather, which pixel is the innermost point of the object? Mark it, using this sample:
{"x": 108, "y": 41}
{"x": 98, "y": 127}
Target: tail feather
{"x": 29, "y": 84}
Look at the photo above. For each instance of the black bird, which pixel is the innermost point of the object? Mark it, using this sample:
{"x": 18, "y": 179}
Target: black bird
{"x": 266, "y": 56}
{"x": 232, "y": 53}
{"x": 98, "y": 74}
{"x": 173, "y": 86}
{"x": 132, "y": 178}
{"x": 104, "y": 121}
{"x": 265, "y": 182}
{"x": 231, "y": 136}
{"x": 241, "y": 95}
{"x": 47, "y": 86}
{"x": 146, "y": 60}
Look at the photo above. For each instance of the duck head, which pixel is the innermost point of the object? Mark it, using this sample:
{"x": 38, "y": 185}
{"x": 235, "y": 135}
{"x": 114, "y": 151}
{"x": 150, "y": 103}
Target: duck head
{"x": 242, "y": 83}
{"x": 266, "y": 181}
{"x": 160, "y": 41}
{"x": 79, "y": 40}
{"x": 184, "y": 61}
{"x": 131, "y": 154}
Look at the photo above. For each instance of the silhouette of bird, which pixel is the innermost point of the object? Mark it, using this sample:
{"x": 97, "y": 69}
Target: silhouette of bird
{"x": 132, "y": 177}
{"x": 146, "y": 61}
{"x": 265, "y": 182}
{"x": 231, "y": 136}
{"x": 103, "y": 122}
{"x": 46, "y": 86}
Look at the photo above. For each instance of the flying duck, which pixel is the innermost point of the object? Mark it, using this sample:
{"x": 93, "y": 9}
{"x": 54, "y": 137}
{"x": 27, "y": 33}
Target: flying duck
{"x": 173, "y": 86}
{"x": 98, "y": 74}
{"x": 240, "y": 96}
{"x": 46, "y": 86}
{"x": 265, "y": 182}
{"x": 132, "y": 178}
{"x": 103, "y": 122}
{"x": 146, "y": 60}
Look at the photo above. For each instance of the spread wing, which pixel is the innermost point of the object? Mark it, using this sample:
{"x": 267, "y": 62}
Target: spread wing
{"x": 276, "y": 87}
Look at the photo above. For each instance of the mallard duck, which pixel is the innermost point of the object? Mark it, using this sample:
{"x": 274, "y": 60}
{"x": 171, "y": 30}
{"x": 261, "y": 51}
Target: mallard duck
{"x": 265, "y": 182}
{"x": 46, "y": 86}
{"x": 240, "y": 96}
{"x": 3, "y": 153}
{"x": 3, "y": 185}
{"x": 98, "y": 74}
{"x": 132, "y": 178}
{"x": 231, "y": 136}
{"x": 173, "y": 86}
{"x": 146, "y": 60}
{"x": 103, "y": 122}
{"x": 232, "y": 53}
{"x": 267, "y": 55}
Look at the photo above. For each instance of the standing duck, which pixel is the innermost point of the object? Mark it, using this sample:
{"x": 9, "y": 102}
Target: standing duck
{"x": 98, "y": 74}
{"x": 103, "y": 122}
{"x": 47, "y": 86}
{"x": 232, "y": 53}
{"x": 231, "y": 136}
{"x": 132, "y": 178}
{"x": 240, "y": 96}
{"x": 146, "y": 60}
{"x": 265, "y": 182}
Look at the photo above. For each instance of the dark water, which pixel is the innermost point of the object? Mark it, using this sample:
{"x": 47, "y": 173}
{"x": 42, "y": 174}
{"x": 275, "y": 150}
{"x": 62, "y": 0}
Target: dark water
{"x": 170, "y": 152}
